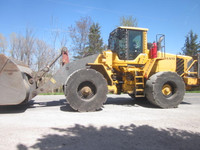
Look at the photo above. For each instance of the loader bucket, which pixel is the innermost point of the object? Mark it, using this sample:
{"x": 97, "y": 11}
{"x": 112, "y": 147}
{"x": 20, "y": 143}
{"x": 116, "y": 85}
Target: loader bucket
{"x": 14, "y": 86}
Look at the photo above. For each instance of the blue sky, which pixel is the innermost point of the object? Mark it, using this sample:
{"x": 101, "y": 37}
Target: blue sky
{"x": 174, "y": 18}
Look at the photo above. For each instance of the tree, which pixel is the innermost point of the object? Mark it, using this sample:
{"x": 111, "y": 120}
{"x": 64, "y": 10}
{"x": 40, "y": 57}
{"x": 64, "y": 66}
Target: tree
{"x": 191, "y": 46}
{"x": 3, "y": 43}
{"x": 22, "y": 47}
{"x": 128, "y": 21}
{"x": 58, "y": 34}
{"x": 29, "y": 42}
{"x": 95, "y": 40}
{"x": 16, "y": 46}
{"x": 43, "y": 54}
{"x": 79, "y": 35}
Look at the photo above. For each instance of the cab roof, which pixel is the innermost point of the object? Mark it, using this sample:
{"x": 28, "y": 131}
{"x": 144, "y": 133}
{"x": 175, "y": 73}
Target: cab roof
{"x": 133, "y": 28}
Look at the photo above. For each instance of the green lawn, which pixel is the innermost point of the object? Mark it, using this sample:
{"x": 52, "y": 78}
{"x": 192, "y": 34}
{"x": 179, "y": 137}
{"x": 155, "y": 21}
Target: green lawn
{"x": 192, "y": 91}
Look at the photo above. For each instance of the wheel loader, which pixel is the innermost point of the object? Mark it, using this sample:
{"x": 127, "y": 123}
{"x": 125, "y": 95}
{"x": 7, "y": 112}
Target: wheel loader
{"x": 130, "y": 65}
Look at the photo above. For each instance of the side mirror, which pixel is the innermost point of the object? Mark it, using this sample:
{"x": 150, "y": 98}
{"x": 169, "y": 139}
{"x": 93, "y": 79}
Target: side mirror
{"x": 161, "y": 39}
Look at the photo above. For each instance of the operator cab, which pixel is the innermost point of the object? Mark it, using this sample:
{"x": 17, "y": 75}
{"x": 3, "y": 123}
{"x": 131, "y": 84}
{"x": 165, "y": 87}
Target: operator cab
{"x": 128, "y": 42}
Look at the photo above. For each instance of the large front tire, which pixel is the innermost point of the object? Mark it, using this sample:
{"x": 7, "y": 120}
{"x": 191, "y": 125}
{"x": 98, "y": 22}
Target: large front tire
{"x": 86, "y": 90}
{"x": 165, "y": 89}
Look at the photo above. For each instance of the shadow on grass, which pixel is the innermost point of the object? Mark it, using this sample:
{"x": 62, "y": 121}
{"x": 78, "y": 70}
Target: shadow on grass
{"x": 130, "y": 137}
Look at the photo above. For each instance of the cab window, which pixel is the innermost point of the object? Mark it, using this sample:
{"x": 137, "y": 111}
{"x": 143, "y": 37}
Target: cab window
{"x": 118, "y": 43}
{"x": 135, "y": 44}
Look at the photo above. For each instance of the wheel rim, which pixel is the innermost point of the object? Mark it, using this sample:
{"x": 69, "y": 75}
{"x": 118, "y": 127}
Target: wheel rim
{"x": 167, "y": 90}
{"x": 86, "y": 90}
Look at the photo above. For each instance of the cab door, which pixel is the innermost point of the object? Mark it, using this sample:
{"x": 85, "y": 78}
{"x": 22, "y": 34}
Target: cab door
{"x": 135, "y": 45}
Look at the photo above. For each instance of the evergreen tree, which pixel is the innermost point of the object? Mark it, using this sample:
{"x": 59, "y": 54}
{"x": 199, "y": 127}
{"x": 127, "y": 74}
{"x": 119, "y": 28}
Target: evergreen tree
{"x": 95, "y": 40}
{"x": 191, "y": 46}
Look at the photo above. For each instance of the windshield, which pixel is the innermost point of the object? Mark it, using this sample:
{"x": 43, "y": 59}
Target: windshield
{"x": 126, "y": 43}
{"x": 135, "y": 44}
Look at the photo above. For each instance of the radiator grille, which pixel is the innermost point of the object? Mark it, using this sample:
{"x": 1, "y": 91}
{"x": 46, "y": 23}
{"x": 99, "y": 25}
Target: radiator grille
{"x": 179, "y": 66}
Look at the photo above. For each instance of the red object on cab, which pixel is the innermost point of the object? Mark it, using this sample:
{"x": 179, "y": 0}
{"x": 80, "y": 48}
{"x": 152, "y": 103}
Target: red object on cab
{"x": 153, "y": 51}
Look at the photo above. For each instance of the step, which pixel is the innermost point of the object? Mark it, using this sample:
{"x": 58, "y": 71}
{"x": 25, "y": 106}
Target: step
{"x": 139, "y": 90}
{"x": 139, "y": 83}
{"x": 138, "y": 76}
{"x": 139, "y": 95}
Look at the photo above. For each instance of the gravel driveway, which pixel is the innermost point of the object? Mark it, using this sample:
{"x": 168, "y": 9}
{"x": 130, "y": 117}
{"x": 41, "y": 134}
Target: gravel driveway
{"x": 48, "y": 123}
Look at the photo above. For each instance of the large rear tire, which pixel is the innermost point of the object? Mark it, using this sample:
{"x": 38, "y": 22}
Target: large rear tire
{"x": 165, "y": 89}
{"x": 86, "y": 90}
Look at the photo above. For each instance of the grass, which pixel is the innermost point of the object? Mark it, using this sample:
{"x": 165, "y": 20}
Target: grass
{"x": 192, "y": 91}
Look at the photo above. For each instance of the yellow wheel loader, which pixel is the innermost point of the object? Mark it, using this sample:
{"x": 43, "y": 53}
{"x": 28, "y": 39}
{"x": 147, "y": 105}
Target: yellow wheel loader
{"x": 131, "y": 65}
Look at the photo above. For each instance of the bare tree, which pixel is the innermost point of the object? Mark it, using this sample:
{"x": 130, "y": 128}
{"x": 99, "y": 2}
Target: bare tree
{"x": 22, "y": 47}
{"x": 58, "y": 34}
{"x": 58, "y": 38}
{"x": 128, "y": 21}
{"x": 43, "y": 54}
{"x": 3, "y": 43}
{"x": 16, "y": 46}
{"x": 54, "y": 34}
{"x": 63, "y": 38}
{"x": 79, "y": 35}
{"x": 29, "y": 42}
